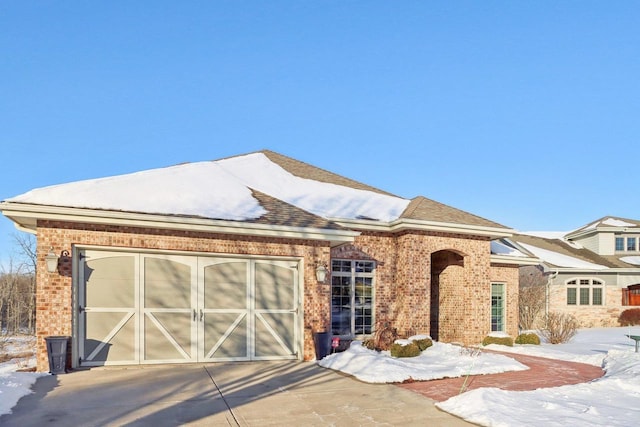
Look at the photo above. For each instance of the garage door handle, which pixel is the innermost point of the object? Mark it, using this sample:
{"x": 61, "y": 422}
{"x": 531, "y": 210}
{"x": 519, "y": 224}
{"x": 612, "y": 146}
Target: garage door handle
{"x": 201, "y": 315}
{"x": 195, "y": 314}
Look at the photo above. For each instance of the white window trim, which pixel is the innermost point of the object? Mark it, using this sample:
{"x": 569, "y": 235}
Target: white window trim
{"x": 354, "y": 275}
{"x": 577, "y": 285}
{"x": 504, "y": 306}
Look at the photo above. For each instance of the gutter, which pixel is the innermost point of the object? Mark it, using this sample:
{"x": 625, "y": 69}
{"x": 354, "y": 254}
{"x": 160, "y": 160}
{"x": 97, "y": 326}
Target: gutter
{"x": 25, "y": 217}
{"x": 413, "y": 224}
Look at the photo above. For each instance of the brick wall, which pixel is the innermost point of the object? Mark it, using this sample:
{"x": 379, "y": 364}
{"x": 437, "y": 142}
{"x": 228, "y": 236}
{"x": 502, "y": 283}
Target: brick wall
{"x": 54, "y": 291}
{"x": 403, "y": 281}
{"x": 509, "y": 275}
{"x": 403, "y": 275}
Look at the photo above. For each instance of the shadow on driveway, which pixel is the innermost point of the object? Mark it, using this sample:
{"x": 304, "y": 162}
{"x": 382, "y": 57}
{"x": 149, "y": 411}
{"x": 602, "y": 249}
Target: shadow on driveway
{"x": 221, "y": 394}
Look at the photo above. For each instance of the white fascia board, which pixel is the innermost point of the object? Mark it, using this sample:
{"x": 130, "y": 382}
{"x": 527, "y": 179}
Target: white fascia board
{"x": 18, "y": 211}
{"x": 514, "y": 260}
{"x": 598, "y": 230}
{"x": 581, "y": 270}
{"x": 412, "y": 224}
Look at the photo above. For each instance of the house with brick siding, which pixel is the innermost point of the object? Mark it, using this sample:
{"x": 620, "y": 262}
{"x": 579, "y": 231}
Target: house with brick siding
{"x": 593, "y": 272}
{"x": 248, "y": 257}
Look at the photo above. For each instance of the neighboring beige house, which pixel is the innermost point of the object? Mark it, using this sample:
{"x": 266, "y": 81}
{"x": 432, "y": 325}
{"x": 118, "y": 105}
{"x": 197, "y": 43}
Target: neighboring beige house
{"x": 593, "y": 272}
{"x": 245, "y": 258}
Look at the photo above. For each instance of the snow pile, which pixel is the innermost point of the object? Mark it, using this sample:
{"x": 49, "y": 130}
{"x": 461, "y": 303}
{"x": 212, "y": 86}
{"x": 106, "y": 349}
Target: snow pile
{"x": 439, "y": 361}
{"x": 608, "y": 401}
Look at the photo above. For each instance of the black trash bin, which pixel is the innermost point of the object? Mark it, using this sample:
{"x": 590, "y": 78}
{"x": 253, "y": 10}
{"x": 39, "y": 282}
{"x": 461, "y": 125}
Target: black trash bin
{"x": 322, "y": 341}
{"x": 57, "y": 352}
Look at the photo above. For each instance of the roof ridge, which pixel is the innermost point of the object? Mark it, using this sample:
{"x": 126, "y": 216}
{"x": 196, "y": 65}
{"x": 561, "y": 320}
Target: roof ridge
{"x": 306, "y": 170}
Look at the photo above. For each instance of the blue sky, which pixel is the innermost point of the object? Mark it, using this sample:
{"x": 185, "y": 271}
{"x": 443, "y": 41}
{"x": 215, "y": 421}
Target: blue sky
{"x": 525, "y": 113}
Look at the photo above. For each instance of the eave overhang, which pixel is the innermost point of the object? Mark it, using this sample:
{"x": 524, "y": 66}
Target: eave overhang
{"x": 585, "y": 233}
{"x": 514, "y": 260}
{"x": 25, "y": 217}
{"x": 403, "y": 224}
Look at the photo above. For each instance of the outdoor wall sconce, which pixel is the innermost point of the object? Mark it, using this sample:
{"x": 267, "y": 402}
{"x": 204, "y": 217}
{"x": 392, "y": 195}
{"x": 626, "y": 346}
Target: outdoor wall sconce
{"x": 52, "y": 261}
{"x": 321, "y": 273}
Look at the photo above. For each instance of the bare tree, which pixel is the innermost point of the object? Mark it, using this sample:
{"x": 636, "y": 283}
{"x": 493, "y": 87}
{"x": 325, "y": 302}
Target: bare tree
{"x": 27, "y": 249}
{"x": 531, "y": 299}
{"x": 17, "y": 289}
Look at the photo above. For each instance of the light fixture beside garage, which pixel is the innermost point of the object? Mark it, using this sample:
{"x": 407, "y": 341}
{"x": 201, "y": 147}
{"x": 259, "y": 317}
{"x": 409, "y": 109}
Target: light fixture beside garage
{"x": 321, "y": 273}
{"x": 52, "y": 261}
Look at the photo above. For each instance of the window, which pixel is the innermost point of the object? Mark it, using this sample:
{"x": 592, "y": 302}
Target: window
{"x": 497, "y": 307}
{"x": 626, "y": 243}
{"x": 352, "y": 297}
{"x": 585, "y": 292}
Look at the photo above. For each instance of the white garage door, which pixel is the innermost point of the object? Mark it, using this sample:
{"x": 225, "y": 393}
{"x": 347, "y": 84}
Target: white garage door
{"x": 152, "y": 308}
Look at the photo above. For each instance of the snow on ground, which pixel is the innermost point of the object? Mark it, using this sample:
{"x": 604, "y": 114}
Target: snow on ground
{"x": 613, "y": 400}
{"x": 14, "y": 385}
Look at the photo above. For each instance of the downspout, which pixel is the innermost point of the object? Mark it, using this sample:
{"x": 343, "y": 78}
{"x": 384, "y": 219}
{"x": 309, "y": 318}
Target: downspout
{"x": 550, "y": 279}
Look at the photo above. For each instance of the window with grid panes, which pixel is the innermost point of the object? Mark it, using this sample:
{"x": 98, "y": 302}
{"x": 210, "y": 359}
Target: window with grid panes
{"x": 352, "y": 297}
{"x": 585, "y": 292}
{"x": 497, "y": 307}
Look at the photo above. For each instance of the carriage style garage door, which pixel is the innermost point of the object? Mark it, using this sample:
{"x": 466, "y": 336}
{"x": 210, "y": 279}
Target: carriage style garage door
{"x": 151, "y": 308}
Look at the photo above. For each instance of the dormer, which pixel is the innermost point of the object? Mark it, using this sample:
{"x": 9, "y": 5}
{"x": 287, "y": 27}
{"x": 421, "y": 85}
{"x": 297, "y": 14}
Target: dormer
{"x": 609, "y": 236}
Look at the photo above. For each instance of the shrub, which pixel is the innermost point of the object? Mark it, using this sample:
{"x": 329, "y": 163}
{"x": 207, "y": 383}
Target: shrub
{"x": 630, "y": 317}
{"x": 369, "y": 343}
{"x": 528, "y": 338}
{"x": 489, "y": 339}
{"x": 407, "y": 350}
{"x": 423, "y": 343}
{"x": 559, "y": 327}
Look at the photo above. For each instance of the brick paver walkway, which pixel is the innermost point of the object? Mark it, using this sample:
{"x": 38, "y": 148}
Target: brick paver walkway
{"x": 542, "y": 373}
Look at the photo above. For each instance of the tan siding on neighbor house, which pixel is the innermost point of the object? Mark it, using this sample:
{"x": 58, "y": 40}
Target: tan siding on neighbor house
{"x": 588, "y": 316}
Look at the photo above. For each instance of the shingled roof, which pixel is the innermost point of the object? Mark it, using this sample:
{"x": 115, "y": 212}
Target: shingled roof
{"x": 564, "y": 248}
{"x": 425, "y": 209}
{"x": 308, "y": 171}
{"x": 420, "y": 208}
{"x": 263, "y": 187}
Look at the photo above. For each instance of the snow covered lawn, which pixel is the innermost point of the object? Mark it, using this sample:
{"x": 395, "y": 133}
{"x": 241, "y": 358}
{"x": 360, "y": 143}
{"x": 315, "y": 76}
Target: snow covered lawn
{"x": 13, "y": 384}
{"x": 613, "y": 400}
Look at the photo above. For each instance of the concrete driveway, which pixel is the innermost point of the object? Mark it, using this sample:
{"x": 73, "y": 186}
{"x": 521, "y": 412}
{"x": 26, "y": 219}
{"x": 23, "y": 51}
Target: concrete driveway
{"x": 221, "y": 394}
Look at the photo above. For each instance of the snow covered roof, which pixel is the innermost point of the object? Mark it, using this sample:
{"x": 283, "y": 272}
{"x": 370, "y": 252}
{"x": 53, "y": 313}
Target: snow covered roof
{"x": 501, "y": 247}
{"x": 217, "y": 189}
{"x": 606, "y": 222}
{"x": 562, "y": 260}
{"x": 252, "y": 188}
{"x": 560, "y": 253}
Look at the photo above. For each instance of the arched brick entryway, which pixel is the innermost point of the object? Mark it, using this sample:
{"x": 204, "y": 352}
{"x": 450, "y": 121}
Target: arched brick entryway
{"x": 447, "y": 278}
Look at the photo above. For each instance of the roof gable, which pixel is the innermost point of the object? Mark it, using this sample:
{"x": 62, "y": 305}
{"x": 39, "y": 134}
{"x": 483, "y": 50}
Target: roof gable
{"x": 425, "y": 209}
